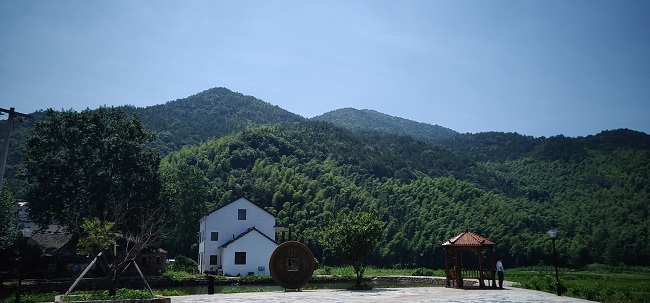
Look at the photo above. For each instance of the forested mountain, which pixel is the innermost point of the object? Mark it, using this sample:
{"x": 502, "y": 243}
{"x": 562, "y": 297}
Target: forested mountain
{"x": 308, "y": 172}
{"x": 221, "y": 145}
{"x": 209, "y": 114}
{"x": 370, "y": 120}
{"x": 497, "y": 146}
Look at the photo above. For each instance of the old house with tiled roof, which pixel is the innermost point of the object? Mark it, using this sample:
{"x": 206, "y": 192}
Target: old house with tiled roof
{"x": 56, "y": 251}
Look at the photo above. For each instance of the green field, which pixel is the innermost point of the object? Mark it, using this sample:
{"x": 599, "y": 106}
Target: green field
{"x": 596, "y": 282}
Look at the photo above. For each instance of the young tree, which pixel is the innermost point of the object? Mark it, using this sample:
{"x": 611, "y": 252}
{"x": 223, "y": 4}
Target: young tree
{"x": 93, "y": 166}
{"x": 354, "y": 235}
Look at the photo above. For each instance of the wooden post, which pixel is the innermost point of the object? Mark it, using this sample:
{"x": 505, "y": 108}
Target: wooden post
{"x": 445, "y": 251}
{"x": 481, "y": 283}
{"x": 143, "y": 278}
{"x": 459, "y": 277}
{"x": 81, "y": 276}
{"x": 493, "y": 267}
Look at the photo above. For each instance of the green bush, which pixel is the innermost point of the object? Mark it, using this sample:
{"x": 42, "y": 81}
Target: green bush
{"x": 170, "y": 292}
{"x": 601, "y": 283}
{"x": 326, "y": 270}
{"x": 121, "y": 294}
{"x": 424, "y": 272}
{"x": 183, "y": 263}
{"x": 31, "y": 297}
{"x": 255, "y": 279}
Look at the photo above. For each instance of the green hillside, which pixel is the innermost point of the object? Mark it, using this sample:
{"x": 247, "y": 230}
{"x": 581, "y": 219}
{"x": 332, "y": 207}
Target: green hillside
{"x": 308, "y": 172}
{"x": 370, "y": 120}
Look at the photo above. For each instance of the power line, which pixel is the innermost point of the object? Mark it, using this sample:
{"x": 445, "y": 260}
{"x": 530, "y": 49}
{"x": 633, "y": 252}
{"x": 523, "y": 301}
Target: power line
{"x": 10, "y": 121}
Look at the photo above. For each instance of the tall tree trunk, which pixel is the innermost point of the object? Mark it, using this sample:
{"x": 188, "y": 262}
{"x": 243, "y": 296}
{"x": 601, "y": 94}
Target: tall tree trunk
{"x": 111, "y": 281}
{"x": 359, "y": 271}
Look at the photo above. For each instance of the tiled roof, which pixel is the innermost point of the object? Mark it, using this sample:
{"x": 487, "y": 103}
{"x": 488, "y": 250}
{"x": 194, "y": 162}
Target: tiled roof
{"x": 468, "y": 239}
{"x": 245, "y": 233}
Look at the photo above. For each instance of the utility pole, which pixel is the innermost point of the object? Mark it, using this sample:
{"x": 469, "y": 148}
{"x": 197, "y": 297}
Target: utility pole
{"x": 10, "y": 121}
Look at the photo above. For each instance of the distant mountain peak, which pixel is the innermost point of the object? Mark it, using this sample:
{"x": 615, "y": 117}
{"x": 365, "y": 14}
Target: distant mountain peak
{"x": 371, "y": 120}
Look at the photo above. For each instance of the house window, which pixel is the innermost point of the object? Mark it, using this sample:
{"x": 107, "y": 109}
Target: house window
{"x": 241, "y": 214}
{"x": 214, "y": 236}
{"x": 213, "y": 260}
{"x": 240, "y": 257}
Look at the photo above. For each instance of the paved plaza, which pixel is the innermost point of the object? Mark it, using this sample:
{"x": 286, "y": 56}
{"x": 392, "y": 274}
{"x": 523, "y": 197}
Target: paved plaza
{"x": 401, "y": 295}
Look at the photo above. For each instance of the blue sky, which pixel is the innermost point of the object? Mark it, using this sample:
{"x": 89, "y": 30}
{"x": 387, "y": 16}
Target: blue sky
{"x": 539, "y": 68}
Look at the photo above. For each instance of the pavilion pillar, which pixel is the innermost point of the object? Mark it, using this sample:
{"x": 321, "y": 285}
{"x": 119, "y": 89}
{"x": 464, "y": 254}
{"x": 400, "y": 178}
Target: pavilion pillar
{"x": 447, "y": 284}
{"x": 459, "y": 277}
{"x": 493, "y": 267}
{"x": 481, "y": 283}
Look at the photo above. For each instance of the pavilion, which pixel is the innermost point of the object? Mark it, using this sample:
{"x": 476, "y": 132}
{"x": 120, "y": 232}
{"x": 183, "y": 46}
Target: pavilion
{"x": 468, "y": 240}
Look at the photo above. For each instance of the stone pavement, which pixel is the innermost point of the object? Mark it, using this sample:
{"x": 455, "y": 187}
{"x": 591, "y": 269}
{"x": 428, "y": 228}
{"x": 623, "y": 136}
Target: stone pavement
{"x": 380, "y": 295}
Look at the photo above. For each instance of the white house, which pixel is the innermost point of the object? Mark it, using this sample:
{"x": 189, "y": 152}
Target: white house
{"x": 237, "y": 239}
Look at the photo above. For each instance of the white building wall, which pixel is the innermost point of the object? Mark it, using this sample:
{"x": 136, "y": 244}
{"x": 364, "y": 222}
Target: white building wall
{"x": 201, "y": 257}
{"x": 258, "y": 253}
{"x": 225, "y": 221}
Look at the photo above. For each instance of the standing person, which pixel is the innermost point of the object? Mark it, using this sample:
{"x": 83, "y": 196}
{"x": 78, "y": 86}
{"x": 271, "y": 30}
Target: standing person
{"x": 211, "y": 281}
{"x": 500, "y": 272}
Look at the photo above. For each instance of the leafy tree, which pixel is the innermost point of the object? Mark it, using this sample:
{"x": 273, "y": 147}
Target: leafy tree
{"x": 186, "y": 188}
{"x": 91, "y": 172}
{"x": 7, "y": 218}
{"x": 96, "y": 236}
{"x": 183, "y": 263}
{"x": 354, "y": 235}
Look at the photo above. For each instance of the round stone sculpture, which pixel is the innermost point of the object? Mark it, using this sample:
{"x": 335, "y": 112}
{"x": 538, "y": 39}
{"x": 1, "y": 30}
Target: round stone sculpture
{"x": 292, "y": 265}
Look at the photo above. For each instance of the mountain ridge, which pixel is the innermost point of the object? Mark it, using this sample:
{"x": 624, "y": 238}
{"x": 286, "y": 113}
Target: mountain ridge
{"x": 371, "y": 120}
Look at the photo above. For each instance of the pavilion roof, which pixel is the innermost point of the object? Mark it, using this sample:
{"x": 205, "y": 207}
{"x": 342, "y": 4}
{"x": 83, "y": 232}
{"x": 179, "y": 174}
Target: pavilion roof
{"x": 468, "y": 239}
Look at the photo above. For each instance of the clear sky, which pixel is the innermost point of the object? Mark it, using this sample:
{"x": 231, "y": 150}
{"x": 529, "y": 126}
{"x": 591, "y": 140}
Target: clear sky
{"x": 539, "y": 68}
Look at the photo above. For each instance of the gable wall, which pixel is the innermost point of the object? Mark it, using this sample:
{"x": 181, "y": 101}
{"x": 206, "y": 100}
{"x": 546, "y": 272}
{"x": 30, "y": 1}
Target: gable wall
{"x": 258, "y": 252}
{"x": 225, "y": 222}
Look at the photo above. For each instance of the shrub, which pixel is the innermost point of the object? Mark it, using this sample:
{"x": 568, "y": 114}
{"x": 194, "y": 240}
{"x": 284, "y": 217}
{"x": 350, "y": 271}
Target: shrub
{"x": 327, "y": 270}
{"x": 31, "y": 297}
{"x": 183, "y": 263}
{"x": 423, "y": 272}
{"x": 120, "y": 294}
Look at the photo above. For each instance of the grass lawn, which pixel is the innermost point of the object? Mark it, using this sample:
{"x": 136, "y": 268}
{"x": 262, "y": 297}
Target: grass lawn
{"x": 596, "y": 282}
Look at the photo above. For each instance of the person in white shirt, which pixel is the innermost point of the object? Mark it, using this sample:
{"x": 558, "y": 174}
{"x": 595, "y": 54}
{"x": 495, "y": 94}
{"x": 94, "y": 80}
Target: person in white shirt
{"x": 500, "y": 272}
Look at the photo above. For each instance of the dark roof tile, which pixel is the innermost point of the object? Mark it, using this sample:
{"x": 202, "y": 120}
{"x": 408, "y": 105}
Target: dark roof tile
{"x": 245, "y": 233}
